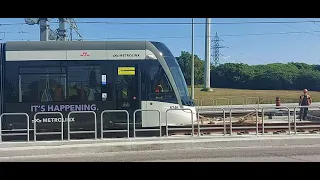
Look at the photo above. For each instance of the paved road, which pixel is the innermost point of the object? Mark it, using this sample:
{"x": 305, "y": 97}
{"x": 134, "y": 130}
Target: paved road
{"x": 270, "y": 154}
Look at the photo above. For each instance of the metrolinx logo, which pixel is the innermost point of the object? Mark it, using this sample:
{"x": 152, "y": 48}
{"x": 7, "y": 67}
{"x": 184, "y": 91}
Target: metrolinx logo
{"x": 85, "y": 54}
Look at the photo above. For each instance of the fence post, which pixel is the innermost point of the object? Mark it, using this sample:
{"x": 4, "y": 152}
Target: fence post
{"x": 12, "y": 114}
{"x": 227, "y": 100}
{"x": 257, "y": 123}
{"x": 275, "y": 108}
{"x": 115, "y": 111}
{"x": 243, "y": 102}
{"x": 250, "y": 108}
{"x": 204, "y": 100}
{"x": 295, "y": 116}
{"x": 183, "y": 109}
{"x": 230, "y": 114}
{"x": 47, "y": 133}
{"x": 78, "y": 132}
{"x": 262, "y": 120}
{"x": 224, "y": 122}
{"x": 257, "y": 98}
{"x": 141, "y": 110}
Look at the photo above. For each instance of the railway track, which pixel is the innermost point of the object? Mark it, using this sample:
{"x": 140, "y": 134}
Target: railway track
{"x": 205, "y": 129}
{"x": 242, "y": 112}
{"x": 246, "y": 128}
{"x": 239, "y": 114}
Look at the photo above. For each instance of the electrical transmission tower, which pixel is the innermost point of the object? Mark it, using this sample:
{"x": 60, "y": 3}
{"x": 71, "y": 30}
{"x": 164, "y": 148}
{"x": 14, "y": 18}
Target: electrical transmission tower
{"x": 60, "y": 34}
{"x": 215, "y": 49}
{"x": 73, "y": 27}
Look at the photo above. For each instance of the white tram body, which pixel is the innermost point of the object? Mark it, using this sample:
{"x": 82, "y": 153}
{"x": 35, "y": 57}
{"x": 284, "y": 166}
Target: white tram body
{"x": 96, "y": 75}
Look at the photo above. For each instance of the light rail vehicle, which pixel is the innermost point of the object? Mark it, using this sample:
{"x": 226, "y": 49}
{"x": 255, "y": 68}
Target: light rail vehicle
{"x": 65, "y": 76}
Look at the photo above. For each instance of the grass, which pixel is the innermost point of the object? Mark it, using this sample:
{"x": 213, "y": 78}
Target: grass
{"x": 237, "y": 95}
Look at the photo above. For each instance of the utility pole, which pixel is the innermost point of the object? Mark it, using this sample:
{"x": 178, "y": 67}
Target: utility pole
{"x": 59, "y": 34}
{"x": 44, "y": 29}
{"x": 207, "y": 56}
{"x": 62, "y": 32}
{"x": 192, "y": 63}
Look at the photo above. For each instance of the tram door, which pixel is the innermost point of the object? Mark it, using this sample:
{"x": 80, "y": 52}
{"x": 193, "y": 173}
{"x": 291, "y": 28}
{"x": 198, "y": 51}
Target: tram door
{"x": 128, "y": 90}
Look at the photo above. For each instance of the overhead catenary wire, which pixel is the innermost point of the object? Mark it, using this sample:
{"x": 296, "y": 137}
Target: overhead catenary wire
{"x": 249, "y": 56}
{"x": 12, "y": 24}
{"x": 222, "y": 35}
{"x": 287, "y": 23}
{"x": 315, "y": 23}
{"x": 229, "y": 57}
{"x": 18, "y": 32}
{"x": 189, "y": 23}
{"x": 299, "y": 29}
{"x": 243, "y": 54}
{"x": 177, "y": 23}
{"x": 186, "y": 37}
{"x": 10, "y": 32}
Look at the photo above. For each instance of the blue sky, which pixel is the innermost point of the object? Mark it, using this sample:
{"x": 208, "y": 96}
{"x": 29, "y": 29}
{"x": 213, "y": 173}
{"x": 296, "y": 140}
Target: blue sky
{"x": 250, "y": 49}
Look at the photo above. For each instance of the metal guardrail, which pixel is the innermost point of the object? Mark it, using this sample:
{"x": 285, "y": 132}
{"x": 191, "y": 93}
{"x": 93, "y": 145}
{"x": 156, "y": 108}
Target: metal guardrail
{"x": 15, "y": 134}
{"x": 245, "y": 101}
{"x": 200, "y": 128}
{"x": 146, "y": 110}
{"x": 212, "y": 128}
{"x": 198, "y": 102}
{"x": 295, "y": 117}
{"x": 275, "y": 108}
{"x": 204, "y": 100}
{"x": 80, "y": 132}
{"x": 229, "y": 101}
{"x": 109, "y": 131}
{"x": 256, "y": 115}
{"x": 182, "y": 109}
{"x": 35, "y": 133}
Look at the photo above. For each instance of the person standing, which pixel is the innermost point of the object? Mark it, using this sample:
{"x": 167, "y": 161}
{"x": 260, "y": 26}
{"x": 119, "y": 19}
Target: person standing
{"x": 305, "y": 100}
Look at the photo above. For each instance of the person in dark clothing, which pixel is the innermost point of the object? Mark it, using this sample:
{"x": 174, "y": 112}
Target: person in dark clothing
{"x": 159, "y": 88}
{"x": 305, "y": 100}
{"x": 58, "y": 93}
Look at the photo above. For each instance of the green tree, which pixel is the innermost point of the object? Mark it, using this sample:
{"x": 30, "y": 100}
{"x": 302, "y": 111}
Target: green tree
{"x": 185, "y": 61}
{"x": 293, "y": 75}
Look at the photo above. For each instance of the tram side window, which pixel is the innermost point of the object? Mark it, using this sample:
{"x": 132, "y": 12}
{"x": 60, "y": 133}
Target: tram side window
{"x": 160, "y": 87}
{"x": 84, "y": 83}
{"x": 42, "y": 84}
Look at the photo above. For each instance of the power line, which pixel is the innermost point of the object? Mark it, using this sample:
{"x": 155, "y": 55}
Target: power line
{"x": 186, "y": 37}
{"x": 5, "y": 33}
{"x": 229, "y": 57}
{"x": 315, "y": 23}
{"x": 19, "y": 32}
{"x": 189, "y": 23}
{"x": 271, "y": 33}
{"x": 11, "y": 24}
{"x": 232, "y": 49}
{"x": 299, "y": 29}
{"x": 177, "y": 23}
{"x": 173, "y": 23}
